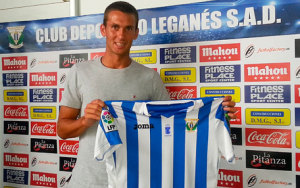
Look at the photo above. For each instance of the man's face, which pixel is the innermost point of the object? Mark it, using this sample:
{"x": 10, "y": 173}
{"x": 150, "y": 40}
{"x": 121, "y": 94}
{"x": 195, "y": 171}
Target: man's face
{"x": 120, "y": 31}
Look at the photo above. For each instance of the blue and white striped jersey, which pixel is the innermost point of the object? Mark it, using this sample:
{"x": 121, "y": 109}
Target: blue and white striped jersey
{"x": 163, "y": 143}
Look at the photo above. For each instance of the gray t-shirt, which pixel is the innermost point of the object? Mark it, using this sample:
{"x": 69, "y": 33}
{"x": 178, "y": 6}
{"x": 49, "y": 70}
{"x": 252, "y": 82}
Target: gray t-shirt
{"x": 91, "y": 80}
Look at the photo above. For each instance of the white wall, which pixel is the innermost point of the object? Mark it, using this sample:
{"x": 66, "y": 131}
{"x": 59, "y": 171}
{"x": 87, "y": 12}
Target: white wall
{"x": 24, "y": 10}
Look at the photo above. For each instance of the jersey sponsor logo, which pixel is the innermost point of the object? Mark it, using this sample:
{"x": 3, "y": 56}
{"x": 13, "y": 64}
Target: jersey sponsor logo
{"x": 277, "y": 138}
{"x": 43, "y": 179}
{"x": 191, "y": 124}
{"x": 234, "y": 92}
{"x": 178, "y": 75}
{"x": 68, "y": 60}
{"x": 268, "y": 160}
{"x": 297, "y": 93}
{"x": 186, "y": 54}
{"x": 182, "y": 92}
{"x": 238, "y": 120}
{"x": 16, "y": 160}
{"x": 108, "y": 121}
{"x": 230, "y": 178}
{"x": 144, "y": 56}
{"x": 267, "y": 72}
{"x": 68, "y": 147}
{"x": 43, "y": 112}
{"x": 297, "y": 161}
{"x": 268, "y": 116}
{"x": 14, "y": 63}
{"x": 43, "y": 145}
{"x": 168, "y": 130}
{"x": 15, "y": 95}
{"x": 67, "y": 163}
{"x": 16, "y": 36}
{"x": 16, "y": 111}
{"x": 43, "y": 128}
{"x": 220, "y": 73}
{"x": 43, "y": 95}
{"x": 236, "y": 136}
{"x": 15, "y": 176}
{"x": 297, "y": 48}
{"x": 16, "y": 127}
{"x": 14, "y": 79}
{"x": 43, "y": 79}
{"x": 268, "y": 94}
{"x": 220, "y": 52}
{"x": 297, "y": 116}
{"x": 143, "y": 126}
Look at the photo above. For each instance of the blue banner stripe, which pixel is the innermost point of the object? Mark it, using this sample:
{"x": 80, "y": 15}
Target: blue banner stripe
{"x": 156, "y": 152}
{"x": 179, "y": 151}
{"x": 132, "y": 147}
{"x": 201, "y": 148}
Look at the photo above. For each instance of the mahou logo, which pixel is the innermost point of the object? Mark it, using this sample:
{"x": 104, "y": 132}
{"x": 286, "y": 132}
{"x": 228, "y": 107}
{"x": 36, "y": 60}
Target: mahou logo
{"x": 220, "y": 52}
{"x": 16, "y": 160}
{"x": 43, "y": 179}
{"x": 68, "y": 147}
{"x": 182, "y": 92}
{"x": 230, "y": 178}
{"x": 271, "y": 72}
{"x": 14, "y": 63}
{"x": 279, "y": 138}
{"x": 43, "y": 128}
{"x": 43, "y": 79}
{"x": 16, "y": 111}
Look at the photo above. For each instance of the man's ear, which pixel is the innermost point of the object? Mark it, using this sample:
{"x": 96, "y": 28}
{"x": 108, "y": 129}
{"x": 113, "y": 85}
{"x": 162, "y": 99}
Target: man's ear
{"x": 103, "y": 30}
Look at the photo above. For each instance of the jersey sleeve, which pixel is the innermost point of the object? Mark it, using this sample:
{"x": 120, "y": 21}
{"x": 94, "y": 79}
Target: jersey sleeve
{"x": 223, "y": 136}
{"x": 107, "y": 137}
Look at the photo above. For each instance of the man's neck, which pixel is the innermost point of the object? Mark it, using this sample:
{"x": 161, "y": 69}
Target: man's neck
{"x": 115, "y": 62}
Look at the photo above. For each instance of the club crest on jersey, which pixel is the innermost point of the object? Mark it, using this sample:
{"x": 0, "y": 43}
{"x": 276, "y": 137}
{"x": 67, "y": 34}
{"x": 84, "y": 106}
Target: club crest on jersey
{"x": 16, "y": 36}
{"x": 108, "y": 121}
{"x": 191, "y": 124}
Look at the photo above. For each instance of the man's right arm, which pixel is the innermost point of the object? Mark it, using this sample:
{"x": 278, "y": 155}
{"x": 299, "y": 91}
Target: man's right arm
{"x": 70, "y": 126}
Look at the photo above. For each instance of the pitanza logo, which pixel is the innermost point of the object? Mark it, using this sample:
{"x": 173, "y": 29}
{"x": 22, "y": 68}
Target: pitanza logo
{"x": 220, "y": 52}
{"x": 16, "y": 127}
{"x": 43, "y": 145}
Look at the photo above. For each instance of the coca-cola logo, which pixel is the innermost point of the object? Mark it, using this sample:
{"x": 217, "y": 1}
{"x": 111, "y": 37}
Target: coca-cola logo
{"x": 19, "y": 112}
{"x": 268, "y": 138}
{"x": 182, "y": 92}
{"x": 69, "y": 147}
{"x": 43, "y": 128}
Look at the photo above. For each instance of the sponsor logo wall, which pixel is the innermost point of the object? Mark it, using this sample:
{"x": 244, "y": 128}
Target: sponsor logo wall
{"x": 250, "y": 51}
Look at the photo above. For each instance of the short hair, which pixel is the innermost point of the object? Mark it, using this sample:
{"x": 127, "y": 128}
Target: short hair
{"x": 122, "y": 6}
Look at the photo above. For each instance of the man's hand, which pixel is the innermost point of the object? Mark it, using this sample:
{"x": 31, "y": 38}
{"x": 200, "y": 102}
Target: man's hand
{"x": 229, "y": 106}
{"x": 92, "y": 112}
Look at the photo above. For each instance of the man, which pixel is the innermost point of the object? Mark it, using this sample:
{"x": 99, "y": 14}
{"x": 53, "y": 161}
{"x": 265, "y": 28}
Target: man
{"x": 115, "y": 77}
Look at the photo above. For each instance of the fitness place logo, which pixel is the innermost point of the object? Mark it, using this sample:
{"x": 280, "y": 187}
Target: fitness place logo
{"x": 15, "y": 176}
{"x": 175, "y": 55}
{"x": 68, "y": 60}
{"x": 14, "y": 79}
{"x": 220, "y": 73}
{"x": 16, "y": 36}
{"x": 268, "y": 94}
